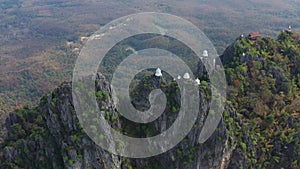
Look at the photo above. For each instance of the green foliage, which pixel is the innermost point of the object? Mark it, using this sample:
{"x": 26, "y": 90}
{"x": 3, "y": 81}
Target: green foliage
{"x": 263, "y": 89}
{"x": 243, "y": 146}
{"x": 264, "y": 93}
{"x": 70, "y": 163}
{"x": 99, "y": 94}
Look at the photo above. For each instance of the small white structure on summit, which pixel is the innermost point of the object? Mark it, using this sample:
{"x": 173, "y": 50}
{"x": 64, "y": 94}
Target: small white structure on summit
{"x": 197, "y": 81}
{"x": 205, "y": 53}
{"x": 178, "y": 77}
{"x": 244, "y": 54}
{"x": 158, "y": 72}
{"x": 186, "y": 76}
{"x": 290, "y": 28}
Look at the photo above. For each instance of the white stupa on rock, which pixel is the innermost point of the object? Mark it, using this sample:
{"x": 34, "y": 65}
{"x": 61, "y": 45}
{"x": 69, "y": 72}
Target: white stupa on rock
{"x": 205, "y": 53}
{"x": 186, "y": 76}
{"x": 289, "y": 28}
{"x": 197, "y": 81}
{"x": 178, "y": 77}
{"x": 158, "y": 72}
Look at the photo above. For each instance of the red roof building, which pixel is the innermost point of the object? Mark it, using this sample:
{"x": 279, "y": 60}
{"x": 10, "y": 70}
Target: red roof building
{"x": 253, "y": 35}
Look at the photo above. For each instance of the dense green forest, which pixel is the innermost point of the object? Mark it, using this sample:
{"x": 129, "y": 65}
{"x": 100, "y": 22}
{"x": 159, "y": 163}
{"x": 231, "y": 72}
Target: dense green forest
{"x": 263, "y": 78}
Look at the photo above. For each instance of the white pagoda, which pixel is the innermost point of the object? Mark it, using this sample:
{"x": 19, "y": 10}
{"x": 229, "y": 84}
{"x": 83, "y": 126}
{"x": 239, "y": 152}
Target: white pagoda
{"x": 158, "y": 72}
{"x": 197, "y": 81}
{"x": 186, "y": 76}
{"x": 205, "y": 53}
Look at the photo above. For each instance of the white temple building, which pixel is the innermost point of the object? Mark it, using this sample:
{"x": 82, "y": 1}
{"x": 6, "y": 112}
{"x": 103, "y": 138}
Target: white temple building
{"x": 158, "y": 72}
{"x": 290, "y": 28}
{"x": 186, "y": 76}
{"x": 197, "y": 81}
{"x": 205, "y": 53}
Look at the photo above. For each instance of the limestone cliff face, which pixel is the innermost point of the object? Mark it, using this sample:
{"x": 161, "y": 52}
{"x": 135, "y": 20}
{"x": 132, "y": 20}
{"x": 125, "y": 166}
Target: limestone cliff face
{"x": 61, "y": 143}
{"x": 53, "y": 137}
{"x": 188, "y": 154}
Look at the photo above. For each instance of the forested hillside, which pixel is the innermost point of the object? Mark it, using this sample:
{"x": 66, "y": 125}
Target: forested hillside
{"x": 263, "y": 75}
{"x": 260, "y": 126}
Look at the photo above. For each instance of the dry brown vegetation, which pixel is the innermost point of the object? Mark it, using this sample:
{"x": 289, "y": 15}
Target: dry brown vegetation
{"x": 34, "y": 58}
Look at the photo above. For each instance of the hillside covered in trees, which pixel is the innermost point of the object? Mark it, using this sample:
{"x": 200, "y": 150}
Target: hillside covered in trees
{"x": 260, "y": 126}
